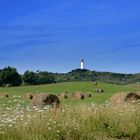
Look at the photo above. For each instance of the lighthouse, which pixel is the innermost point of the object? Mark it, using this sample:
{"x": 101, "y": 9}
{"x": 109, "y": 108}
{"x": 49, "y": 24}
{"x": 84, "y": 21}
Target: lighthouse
{"x": 82, "y": 64}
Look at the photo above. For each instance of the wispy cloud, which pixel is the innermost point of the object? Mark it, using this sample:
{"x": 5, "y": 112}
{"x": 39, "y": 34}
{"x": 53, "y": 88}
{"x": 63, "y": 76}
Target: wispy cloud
{"x": 25, "y": 45}
{"x": 125, "y": 47}
{"x": 38, "y": 28}
{"x": 21, "y": 35}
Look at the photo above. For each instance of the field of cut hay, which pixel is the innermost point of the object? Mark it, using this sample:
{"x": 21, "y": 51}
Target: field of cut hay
{"x": 92, "y": 118}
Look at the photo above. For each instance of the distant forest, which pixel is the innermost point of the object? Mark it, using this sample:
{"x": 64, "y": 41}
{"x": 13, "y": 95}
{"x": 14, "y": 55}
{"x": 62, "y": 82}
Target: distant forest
{"x": 10, "y": 77}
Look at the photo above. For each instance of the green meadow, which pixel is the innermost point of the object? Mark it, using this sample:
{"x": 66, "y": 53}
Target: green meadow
{"x": 89, "y": 119}
{"x": 70, "y": 87}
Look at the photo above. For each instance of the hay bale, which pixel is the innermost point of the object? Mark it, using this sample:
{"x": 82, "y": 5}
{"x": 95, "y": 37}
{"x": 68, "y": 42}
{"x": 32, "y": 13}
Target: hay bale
{"x": 124, "y": 97}
{"x": 95, "y": 83}
{"x": 99, "y": 90}
{"x": 41, "y": 100}
{"x": 63, "y": 95}
{"x": 8, "y": 85}
{"x": 87, "y": 95}
{"x": 138, "y": 93}
{"x": 78, "y": 95}
{"x": 28, "y": 96}
{"x": 4, "y": 95}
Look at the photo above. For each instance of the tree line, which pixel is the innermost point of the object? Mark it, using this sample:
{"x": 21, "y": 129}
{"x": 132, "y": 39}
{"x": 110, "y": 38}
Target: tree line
{"x": 10, "y": 77}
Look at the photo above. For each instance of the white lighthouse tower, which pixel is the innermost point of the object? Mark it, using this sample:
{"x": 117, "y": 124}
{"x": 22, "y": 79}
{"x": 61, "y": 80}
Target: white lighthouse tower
{"x": 82, "y": 64}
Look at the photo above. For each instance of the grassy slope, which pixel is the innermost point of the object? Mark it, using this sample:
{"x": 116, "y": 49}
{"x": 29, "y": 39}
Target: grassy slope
{"x": 109, "y": 90}
{"x": 72, "y": 122}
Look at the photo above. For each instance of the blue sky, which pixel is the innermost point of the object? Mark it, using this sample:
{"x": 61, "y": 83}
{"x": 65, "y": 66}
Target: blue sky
{"x": 54, "y": 35}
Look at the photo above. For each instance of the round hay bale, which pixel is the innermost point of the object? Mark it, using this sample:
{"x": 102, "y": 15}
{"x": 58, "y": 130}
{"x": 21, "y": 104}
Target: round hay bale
{"x": 41, "y": 100}
{"x": 87, "y": 95}
{"x": 4, "y": 95}
{"x": 95, "y": 83}
{"x": 99, "y": 90}
{"x": 8, "y": 85}
{"x": 63, "y": 95}
{"x": 138, "y": 93}
{"x": 78, "y": 96}
{"x": 124, "y": 97}
{"x": 28, "y": 96}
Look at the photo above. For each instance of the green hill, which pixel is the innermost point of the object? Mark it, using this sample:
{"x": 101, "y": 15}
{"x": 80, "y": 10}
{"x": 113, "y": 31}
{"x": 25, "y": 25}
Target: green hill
{"x": 87, "y": 75}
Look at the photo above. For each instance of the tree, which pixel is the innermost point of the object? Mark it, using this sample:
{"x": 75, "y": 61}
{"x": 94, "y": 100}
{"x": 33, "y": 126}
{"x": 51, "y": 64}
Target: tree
{"x": 9, "y": 76}
{"x": 40, "y": 77}
{"x": 44, "y": 78}
{"x": 29, "y": 77}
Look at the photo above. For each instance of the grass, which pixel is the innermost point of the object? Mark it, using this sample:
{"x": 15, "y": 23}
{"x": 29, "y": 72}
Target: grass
{"x": 89, "y": 119}
{"x": 109, "y": 90}
{"x": 81, "y": 122}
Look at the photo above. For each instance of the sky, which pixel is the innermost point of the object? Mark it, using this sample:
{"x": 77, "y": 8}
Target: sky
{"x": 54, "y": 35}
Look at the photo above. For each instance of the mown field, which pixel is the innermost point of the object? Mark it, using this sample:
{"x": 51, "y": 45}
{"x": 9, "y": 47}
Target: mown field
{"x": 89, "y": 119}
{"x": 109, "y": 90}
